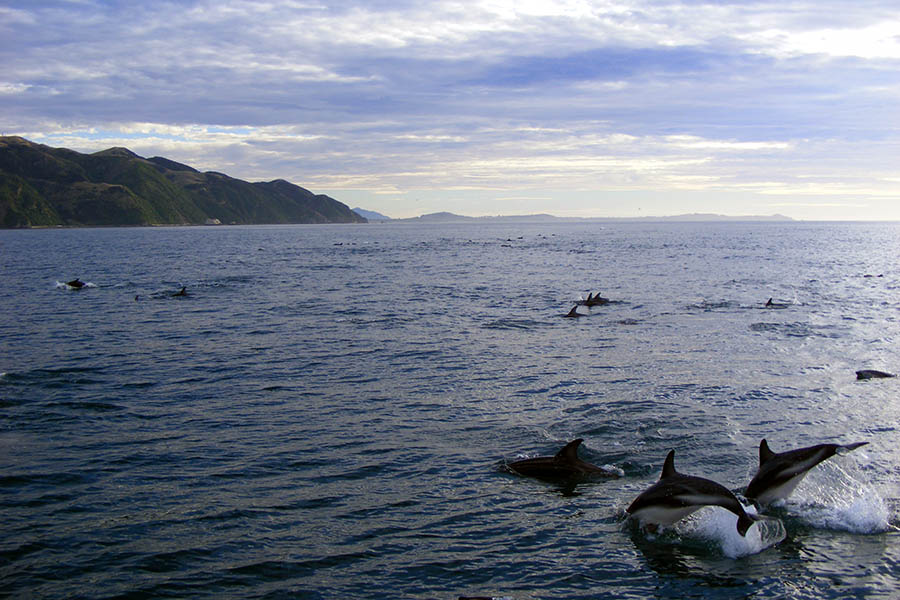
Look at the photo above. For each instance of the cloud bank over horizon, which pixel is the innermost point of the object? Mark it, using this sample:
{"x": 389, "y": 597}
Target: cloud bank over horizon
{"x": 574, "y": 108}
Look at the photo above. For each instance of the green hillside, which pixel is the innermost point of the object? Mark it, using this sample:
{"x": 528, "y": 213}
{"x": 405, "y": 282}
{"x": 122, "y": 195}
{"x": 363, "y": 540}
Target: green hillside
{"x": 41, "y": 186}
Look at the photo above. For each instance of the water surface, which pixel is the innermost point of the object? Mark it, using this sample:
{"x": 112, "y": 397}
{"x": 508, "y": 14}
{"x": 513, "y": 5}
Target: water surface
{"x": 327, "y": 413}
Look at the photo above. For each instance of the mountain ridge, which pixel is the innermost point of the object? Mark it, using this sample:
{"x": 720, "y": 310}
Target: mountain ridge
{"x": 448, "y": 217}
{"x": 42, "y": 186}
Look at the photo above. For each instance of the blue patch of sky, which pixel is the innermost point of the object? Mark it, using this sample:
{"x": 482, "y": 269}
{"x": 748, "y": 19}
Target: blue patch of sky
{"x": 598, "y": 64}
{"x": 105, "y": 134}
{"x": 231, "y": 130}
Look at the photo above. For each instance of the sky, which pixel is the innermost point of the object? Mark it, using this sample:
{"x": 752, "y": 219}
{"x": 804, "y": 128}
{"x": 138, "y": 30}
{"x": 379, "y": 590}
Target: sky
{"x": 615, "y": 108}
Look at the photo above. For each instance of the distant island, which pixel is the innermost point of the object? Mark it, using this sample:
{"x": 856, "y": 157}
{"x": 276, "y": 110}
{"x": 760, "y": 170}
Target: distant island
{"x": 370, "y": 215}
{"x": 41, "y": 186}
{"x": 447, "y": 217}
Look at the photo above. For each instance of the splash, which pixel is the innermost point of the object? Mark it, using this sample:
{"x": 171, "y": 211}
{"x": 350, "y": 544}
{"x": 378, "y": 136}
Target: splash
{"x": 720, "y": 527}
{"x": 833, "y": 498}
{"x": 61, "y": 285}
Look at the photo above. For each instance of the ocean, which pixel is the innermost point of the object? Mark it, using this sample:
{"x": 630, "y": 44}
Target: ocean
{"x": 328, "y": 412}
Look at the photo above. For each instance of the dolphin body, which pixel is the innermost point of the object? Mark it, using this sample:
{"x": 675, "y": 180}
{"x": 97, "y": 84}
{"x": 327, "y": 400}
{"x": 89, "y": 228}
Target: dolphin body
{"x": 565, "y": 465}
{"x": 75, "y": 284}
{"x": 779, "y": 473}
{"x": 573, "y": 314}
{"x": 597, "y": 300}
{"x": 872, "y": 374}
{"x": 676, "y": 496}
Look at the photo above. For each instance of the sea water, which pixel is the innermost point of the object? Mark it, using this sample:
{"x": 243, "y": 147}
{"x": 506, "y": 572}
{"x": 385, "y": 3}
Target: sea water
{"x": 326, "y": 414}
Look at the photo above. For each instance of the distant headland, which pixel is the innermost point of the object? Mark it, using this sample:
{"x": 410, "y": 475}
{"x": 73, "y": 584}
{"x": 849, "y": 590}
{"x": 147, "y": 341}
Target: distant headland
{"x": 447, "y": 217}
{"x": 41, "y": 186}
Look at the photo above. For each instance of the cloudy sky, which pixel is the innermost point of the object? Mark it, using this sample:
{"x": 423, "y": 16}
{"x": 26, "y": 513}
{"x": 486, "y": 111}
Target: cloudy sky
{"x": 569, "y": 107}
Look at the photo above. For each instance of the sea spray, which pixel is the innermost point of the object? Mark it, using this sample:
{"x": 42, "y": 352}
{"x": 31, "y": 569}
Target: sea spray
{"x": 720, "y": 527}
{"x": 835, "y": 498}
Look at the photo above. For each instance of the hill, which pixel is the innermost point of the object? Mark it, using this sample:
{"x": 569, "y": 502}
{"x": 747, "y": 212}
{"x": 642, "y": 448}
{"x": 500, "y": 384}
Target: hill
{"x": 45, "y": 186}
{"x": 371, "y": 215}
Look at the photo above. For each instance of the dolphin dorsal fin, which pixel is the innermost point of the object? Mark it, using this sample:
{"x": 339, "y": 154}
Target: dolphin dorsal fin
{"x": 669, "y": 466}
{"x": 569, "y": 453}
{"x": 764, "y": 453}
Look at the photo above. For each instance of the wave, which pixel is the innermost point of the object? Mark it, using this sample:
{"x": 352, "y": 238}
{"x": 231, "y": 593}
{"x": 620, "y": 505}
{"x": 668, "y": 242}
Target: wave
{"x": 834, "y": 498}
{"x": 720, "y": 527}
{"x": 53, "y": 377}
{"x": 714, "y": 530}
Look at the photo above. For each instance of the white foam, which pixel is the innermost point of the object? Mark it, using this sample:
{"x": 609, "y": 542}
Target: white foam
{"x": 613, "y": 469}
{"x": 719, "y": 526}
{"x": 65, "y": 286}
{"x": 832, "y": 498}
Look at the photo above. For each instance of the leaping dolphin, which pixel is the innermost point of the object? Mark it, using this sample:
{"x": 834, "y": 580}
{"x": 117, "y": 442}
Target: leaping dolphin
{"x": 779, "y": 473}
{"x": 565, "y": 465}
{"x": 676, "y": 496}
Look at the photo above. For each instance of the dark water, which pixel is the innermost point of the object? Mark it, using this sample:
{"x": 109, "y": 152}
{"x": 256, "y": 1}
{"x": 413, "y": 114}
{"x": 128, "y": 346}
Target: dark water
{"x": 326, "y": 414}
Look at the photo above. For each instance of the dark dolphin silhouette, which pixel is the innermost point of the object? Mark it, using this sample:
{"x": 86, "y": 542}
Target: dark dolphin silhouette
{"x": 574, "y": 313}
{"x": 676, "y": 496}
{"x": 181, "y": 292}
{"x": 595, "y": 300}
{"x": 779, "y": 473}
{"x": 872, "y": 374}
{"x": 564, "y": 465}
{"x": 75, "y": 284}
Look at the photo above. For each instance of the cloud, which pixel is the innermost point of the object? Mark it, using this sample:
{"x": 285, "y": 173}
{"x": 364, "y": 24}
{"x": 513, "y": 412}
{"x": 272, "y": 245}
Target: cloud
{"x": 499, "y": 95}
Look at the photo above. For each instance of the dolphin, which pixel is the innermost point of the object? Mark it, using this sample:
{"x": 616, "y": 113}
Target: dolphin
{"x": 770, "y": 303}
{"x": 676, "y": 496}
{"x": 872, "y": 374}
{"x": 779, "y": 473}
{"x": 181, "y": 292}
{"x": 574, "y": 313}
{"x": 565, "y": 465}
{"x": 595, "y": 300}
{"x": 75, "y": 283}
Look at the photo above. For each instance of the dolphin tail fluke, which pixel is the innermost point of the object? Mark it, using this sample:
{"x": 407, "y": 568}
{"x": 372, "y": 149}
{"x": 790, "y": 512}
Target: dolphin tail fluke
{"x": 841, "y": 450}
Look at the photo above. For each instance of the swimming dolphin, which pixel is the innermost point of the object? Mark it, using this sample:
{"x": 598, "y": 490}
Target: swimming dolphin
{"x": 574, "y": 312}
{"x": 181, "y": 292}
{"x": 772, "y": 304}
{"x": 872, "y": 374}
{"x": 565, "y": 465}
{"x": 779, "y": 473}
{"x": 595, "y": 300}
{"x": 76, "y": 284}
{"x": 676, "y": 496}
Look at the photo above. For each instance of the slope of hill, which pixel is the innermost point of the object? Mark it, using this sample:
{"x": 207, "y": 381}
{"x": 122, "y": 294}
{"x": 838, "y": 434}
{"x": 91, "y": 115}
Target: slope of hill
{"x": 371, "y": 215}
{"x": 45, "y": 186}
